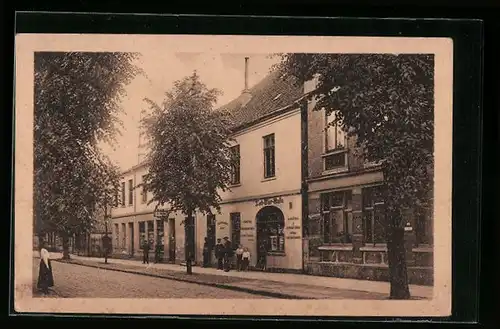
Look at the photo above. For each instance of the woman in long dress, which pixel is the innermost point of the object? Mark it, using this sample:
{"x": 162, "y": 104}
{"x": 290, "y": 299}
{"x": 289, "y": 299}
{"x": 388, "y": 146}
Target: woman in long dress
{"x": 45, "y": 276}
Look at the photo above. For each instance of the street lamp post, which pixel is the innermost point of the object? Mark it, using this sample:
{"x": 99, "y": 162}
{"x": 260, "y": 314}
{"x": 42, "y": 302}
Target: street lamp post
{"x": 106, "y": 240}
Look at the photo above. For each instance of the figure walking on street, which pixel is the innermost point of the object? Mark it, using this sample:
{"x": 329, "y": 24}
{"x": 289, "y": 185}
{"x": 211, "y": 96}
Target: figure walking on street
{"x": 45, "y": 275}
{"x": 219, "y": 254}
{"x": 158, "y": 253}
{"x": 239, "y": 257}
{"x": 228, "y": 254}
{"x": 145, "y": 250}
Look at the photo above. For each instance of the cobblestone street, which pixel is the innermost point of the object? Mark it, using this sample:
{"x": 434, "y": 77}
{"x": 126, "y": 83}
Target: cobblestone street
{"x": 74, "y": 281}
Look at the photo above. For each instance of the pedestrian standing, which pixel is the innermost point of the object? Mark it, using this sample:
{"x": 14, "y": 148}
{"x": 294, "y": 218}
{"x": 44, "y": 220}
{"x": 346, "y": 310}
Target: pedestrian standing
{"x": 158, "y": 253}
{"x": 239, "y": 256}
{"x": 45, "y": 275}
{"x": 145, "y": 252}
{"x": 228, "y": 254}
{"x": 245, "y": 261}
{"x": 206, "y": 253}
{"x": 219, "y": 254}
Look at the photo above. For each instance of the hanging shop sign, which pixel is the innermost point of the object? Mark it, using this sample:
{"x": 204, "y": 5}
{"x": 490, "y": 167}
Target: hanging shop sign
{"x": 161, "y": 213}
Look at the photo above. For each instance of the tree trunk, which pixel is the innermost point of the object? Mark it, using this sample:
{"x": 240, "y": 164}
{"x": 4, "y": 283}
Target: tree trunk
{"x": 397, "y": 263}
{"x": 188, "y": 226}
{"x": 65, "y": 243}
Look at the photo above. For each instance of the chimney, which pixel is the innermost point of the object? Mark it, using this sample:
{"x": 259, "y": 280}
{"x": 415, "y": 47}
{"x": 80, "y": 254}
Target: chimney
{"x": 246, "y": 75}
{"x": 246, "y": 95}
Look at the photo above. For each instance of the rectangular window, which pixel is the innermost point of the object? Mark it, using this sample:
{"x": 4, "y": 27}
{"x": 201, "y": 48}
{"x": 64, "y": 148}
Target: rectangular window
{"x": 334, "y": 134}
{"x": 123, "y": 193}
{"x": 211, "y": 229}
{"x": 117, "y": 235}
{"x": 142, "y": 234}
{"x": 373, "y": 216}
{"x": 160, "y": 233}
{"x": 335, "y": 160}
{"x": 336, "y": 217}
{"x": 235, "y": 228}
{"x": 151, "y": 231}
{"x": 117, "y": 197}
{"x": 235, "y": 167}
{"x": 269, "y": 156}
{"x": 144, "y": 190}
{"x": 130, "y": 192}
{"x": 124, "y": 235}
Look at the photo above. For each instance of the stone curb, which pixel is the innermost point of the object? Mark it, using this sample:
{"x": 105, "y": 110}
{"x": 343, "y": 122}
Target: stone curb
{"x": 173, "y": 278}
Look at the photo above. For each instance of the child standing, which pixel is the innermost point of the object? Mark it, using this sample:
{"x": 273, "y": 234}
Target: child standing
{"x": 239, "y": 255}
{"x": 245, "y": 259}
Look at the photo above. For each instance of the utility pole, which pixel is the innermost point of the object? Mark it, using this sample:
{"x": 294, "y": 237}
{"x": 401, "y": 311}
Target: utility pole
{"x": 106, "y": 240}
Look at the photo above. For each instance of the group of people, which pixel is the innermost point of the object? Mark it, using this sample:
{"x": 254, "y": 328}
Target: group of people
{"x": 225, "y": 252}
{"x": 146, "y": 247}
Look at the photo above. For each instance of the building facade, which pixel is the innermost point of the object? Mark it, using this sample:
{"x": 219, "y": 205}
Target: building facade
{"x": 346, "y": 230}
{"x": 263, "y": 208}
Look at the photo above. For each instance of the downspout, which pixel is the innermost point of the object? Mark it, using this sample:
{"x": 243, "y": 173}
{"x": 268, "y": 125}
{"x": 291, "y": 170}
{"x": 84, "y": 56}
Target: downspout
{"x": 304, "y": 173}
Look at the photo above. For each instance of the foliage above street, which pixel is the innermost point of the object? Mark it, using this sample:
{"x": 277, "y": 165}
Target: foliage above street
{"x": 189, "y": 159}
{"x": 77, "y": 98}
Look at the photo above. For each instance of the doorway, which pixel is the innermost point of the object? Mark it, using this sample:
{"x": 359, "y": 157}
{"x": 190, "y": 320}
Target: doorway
{"x": 171, "y": 240}
{"x": 270, "y": 234}
{"x": 131, "y": 235}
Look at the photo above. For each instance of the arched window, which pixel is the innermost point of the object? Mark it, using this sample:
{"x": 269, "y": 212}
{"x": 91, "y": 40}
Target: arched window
{"x": 270, "y": 229}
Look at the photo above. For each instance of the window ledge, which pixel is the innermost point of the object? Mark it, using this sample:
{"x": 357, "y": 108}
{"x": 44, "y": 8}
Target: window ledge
{"x": 373, "y": 248}
{"x": 423, "y": 249}
{"x": 336, "y": 171}
{"x": 336, "y": 248}
{"x": 235, "y": 185}
{"x": 268, "y": 179}
{"x": 336, "y": 151}
{"x": 276, "y": 253}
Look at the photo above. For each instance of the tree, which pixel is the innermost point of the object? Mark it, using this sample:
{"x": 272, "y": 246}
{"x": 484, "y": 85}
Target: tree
{"x": 189, "y": 159}
{"x": 76, "y": 105}
{"x": 386, "y": 101}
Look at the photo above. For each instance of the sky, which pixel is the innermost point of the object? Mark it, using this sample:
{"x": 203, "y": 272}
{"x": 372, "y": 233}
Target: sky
{"x": 222, "y": 71}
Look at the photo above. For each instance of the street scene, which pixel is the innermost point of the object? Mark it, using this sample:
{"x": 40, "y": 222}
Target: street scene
{"x": 163, "y": 174}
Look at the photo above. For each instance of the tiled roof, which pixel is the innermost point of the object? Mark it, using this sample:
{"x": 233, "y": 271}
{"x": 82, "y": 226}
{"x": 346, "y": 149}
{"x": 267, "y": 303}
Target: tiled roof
{"x": 270, "y": 94}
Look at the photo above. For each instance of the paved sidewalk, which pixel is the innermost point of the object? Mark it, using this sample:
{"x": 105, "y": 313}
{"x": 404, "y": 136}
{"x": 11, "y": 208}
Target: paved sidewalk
{"x": 265, "y": 279}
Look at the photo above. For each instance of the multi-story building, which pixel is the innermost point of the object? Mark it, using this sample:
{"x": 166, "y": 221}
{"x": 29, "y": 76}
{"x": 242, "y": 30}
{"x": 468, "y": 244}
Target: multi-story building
{"x": 346, "y": 229}
{"x": 264, "y": 205}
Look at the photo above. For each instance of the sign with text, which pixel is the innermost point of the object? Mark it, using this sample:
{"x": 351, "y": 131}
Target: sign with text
{"x": 268, "y": 201}
{"x": 161, "y": 213}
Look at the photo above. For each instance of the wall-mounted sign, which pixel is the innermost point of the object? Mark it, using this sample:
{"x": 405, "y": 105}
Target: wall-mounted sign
{"x": 293, "y": 218}
{"x": 268, "y": 201}
{"x": 161, "y": 213}
{"x": 247, "y": 228}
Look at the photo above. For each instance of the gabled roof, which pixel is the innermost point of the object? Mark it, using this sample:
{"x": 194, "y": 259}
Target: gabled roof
{"x": 272, "y": 93}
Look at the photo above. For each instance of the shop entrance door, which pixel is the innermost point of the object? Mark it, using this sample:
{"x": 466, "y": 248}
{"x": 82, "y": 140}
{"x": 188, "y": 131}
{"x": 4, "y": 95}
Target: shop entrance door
{"x": 270, "y": 234}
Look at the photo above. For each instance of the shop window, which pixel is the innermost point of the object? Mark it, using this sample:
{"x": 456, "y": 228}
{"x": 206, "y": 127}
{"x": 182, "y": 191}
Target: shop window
{"x": 160, "y": 233}
{"x": 211, "y": 229}
{"x": 235, "y": 228}
{"x": 117, "y": 235}
{"x": 124, "y": 235}
{"x": 373, "y": 216}
{"x": 151, "y": 231}
{"x": 269, "y": 156}
{"x": 336, "y": 217}
{"x": 235, "y": 165}
{"x": 142, "y": 234}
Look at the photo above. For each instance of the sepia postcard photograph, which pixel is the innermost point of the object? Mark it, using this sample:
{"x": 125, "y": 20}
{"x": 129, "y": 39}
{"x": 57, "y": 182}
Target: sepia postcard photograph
{"x": 233, "y": 175}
